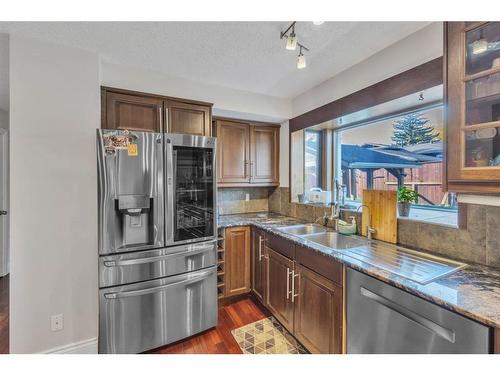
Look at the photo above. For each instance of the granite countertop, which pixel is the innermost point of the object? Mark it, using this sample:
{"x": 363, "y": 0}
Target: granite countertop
{"x": 473, "y": 291}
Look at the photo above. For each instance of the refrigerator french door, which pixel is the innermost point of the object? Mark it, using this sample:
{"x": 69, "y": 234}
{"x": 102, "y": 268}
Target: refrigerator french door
{"x": 130, "y": 191}
{"x": 190, "y": 190}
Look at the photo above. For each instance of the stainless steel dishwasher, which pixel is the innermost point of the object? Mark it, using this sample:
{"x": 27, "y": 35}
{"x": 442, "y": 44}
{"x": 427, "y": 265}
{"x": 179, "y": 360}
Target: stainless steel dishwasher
{"x": 384, "y": 319}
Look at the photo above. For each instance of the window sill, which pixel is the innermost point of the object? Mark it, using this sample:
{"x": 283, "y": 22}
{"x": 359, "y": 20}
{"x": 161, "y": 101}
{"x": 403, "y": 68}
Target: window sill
{"x": 449, "y": 219}
{"x": 429, "y": 216}
{"x": 419, "y": 214}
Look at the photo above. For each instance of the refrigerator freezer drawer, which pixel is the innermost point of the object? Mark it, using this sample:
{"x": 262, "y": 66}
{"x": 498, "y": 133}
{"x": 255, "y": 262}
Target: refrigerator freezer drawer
{"x": 153, "y": 264}
{"x": 382, "y": 319}
{"x": 142, "y": 316}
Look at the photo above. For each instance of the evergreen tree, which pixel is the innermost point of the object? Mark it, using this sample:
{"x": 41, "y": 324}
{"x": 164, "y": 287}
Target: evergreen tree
{"x": 413, "y": 129}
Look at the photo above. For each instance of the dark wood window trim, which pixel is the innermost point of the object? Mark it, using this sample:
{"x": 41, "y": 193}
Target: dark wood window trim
{"x": 421, "y": 77}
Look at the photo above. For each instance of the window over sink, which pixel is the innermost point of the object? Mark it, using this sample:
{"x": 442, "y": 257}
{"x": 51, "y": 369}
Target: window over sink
{"x": 391, "y": 145}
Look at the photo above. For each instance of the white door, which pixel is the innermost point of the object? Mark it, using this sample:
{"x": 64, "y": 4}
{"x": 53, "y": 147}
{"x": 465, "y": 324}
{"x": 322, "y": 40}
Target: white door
{"x": 4, "y": 202}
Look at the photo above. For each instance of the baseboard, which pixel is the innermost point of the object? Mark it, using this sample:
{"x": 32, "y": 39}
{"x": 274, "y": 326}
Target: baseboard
{"x": 82, "y": 347}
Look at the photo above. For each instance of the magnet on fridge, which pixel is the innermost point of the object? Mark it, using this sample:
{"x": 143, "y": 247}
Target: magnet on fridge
{"x": 132, "y": 149}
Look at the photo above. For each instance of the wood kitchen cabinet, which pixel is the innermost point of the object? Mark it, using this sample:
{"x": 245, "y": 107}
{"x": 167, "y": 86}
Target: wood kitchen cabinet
{"x": 125, "y": 109}
{"x": 259, "y": 265}
{"x": 233, "y": 153}
{"x": 318, "y": 312}
{"x": 237, "y": 259}
{"x": 248, "y": 154}
{"x": 279, "y": 296}
{"x": 472, "y": 98}
{"x": 187, "y": 118}
{"x": 304, "y": 292}
{"x": 132, "y": 112}
{"x": 264, "y": 154}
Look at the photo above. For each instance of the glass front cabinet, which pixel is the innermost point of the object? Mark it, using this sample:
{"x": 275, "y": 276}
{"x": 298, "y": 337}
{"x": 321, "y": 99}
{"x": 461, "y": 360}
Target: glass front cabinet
{"x": 472, "y": 96}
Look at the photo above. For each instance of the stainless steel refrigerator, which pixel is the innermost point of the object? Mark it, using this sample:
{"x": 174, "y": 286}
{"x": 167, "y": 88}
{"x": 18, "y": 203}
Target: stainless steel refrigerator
{"x": 157, "y": 238}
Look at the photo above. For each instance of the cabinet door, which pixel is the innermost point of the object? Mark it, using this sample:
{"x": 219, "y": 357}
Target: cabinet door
{"x": 233, "y": 152}
{"x": 132, "y": 112}
{"x": 237, "y": 261}
{"x": 186, "y": 118}
{"x": 264, "y": 154}
{"x": 279, "y": 281}
{"x": 318, "y": 312}
{"x": 472, "y": 107}
{"x": 259, "y": 264}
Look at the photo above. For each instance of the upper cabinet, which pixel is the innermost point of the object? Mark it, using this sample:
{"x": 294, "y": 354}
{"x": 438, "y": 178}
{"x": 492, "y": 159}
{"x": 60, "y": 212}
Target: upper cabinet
{"x": 248, "y": 154}
{"x": 132, "y": 112}
{"x": 473, "y": 106}
{"x": 187, "y": 118}
{"x": 123, "y": 109}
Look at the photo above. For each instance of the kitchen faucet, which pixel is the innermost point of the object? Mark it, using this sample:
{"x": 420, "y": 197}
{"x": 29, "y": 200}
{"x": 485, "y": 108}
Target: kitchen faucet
{"x": 369, "y": 230}
{"x": 335, "y": 207}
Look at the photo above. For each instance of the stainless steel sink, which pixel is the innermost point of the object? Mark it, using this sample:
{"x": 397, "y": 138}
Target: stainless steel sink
{"x": 335, "y": 240}
{"x": 302, "y": 229}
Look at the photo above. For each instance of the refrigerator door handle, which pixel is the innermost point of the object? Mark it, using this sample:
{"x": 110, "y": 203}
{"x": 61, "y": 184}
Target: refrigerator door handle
{"x": 190, "y": 251}
{"x": 134, "y": 293}
{"x": 159, "y": 195}
{"x": 435, "y": 328}
{"x": 169, "y": 192}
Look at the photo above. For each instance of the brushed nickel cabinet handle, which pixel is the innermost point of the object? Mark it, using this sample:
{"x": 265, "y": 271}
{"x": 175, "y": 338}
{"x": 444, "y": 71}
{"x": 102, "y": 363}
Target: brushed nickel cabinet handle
{"x": 293, "y": 285}
{"x": 260, "y": 248}
{"x": 287, "y": 283}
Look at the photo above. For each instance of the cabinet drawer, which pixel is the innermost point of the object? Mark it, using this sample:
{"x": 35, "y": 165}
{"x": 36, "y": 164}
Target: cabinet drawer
{"x": 281, "y": 245}
{"x": 319, "y": 263}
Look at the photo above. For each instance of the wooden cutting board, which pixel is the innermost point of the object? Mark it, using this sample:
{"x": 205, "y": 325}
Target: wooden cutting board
{"x": 383, "y": 210}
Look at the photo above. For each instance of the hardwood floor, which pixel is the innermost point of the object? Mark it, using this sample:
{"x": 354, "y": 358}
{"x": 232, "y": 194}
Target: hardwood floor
{"x": 4, "y": 315}
{"x": 219, "y": 340}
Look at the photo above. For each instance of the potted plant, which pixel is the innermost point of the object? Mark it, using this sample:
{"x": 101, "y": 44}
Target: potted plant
{"x": 405, "y": 198}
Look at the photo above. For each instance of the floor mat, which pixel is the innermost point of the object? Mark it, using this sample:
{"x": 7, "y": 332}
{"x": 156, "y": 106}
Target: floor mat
{"x": 266, "y": 336}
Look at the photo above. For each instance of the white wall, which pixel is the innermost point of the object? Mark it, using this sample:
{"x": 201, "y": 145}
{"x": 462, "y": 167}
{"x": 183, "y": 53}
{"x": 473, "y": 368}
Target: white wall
{"x": 4, "y": 119}
{"x": 284, "y": 154}
{"x": 416, "y": 49}
{"x": 54, "y": 111}
{"x": 227, "y": 102}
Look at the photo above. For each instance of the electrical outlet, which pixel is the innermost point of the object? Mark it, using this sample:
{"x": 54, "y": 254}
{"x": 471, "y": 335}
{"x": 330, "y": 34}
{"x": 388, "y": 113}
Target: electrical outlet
{"x": 57, "y": 322}
{"x": 247, "y": 197}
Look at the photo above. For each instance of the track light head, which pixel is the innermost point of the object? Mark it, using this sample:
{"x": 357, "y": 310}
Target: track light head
{"x": 291, "y": 41}
{"x": 301, "y": 60}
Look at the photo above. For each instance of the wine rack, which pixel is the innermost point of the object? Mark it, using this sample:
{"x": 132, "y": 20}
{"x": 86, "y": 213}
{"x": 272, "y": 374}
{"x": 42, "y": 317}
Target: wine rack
{"x": 221, "y": 265}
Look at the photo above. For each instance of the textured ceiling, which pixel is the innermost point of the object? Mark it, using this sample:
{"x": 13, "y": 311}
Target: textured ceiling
{"x": 241, "y": 55}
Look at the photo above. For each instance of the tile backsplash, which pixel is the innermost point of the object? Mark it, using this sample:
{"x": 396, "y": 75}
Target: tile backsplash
{"x": 233, "y": 200}
{"x": 478, "y": 243}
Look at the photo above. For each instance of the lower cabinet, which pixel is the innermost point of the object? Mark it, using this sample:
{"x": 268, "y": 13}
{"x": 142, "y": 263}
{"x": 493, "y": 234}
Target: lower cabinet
{"x": 259, "y": 264}
{"x": 318, "y": 312}
{"x": 307, "y": 304}
{"x": 300, "y": 287}
{"x": 279, "y": 291}
{"x": 237, "y": 249}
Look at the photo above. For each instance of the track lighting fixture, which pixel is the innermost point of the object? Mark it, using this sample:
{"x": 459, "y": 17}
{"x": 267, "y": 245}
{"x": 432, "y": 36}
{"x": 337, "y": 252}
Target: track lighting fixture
{"x": 292, "y": 43}
{"x": 301, "y": 59}
{"x": 291, "y": 39}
